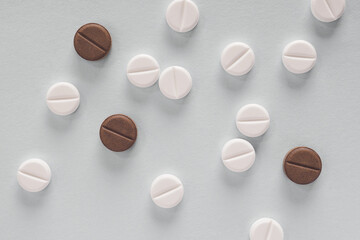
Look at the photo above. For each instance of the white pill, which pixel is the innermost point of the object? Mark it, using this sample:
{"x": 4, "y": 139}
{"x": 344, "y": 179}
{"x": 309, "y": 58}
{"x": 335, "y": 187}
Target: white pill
{"x": 143, "y": 71}
{"x": 63, "y": 98}
{"x": 252, "y": 120}
{"x": 328, "y": 10}
{"x": 238, "y": 155}
{"x": 299, "y": 57}
{"x": 266, "y": 229}
{"x": 182, "y": 15}
{"x": 167, "y": 191}
{"x": 237, "y": 59}
{"x": 175, "y": 82}
{"x": 34, "y": 175}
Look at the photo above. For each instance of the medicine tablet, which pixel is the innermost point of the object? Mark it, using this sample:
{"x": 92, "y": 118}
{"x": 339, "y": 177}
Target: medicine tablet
{"x": 253, "y": 120}
{"x": 34, "y": 175}
{"x": 238, "y": 155}
{"x": 182, "y": 15}
{"x": 266, "y": 229}
{"x": 167, "y": 191}
{"x": 143, "y": 71}
{"x": 237, "y": 59}
{"x": 63, "y": 98}
{"x": 299, "y": 57}
{"x": 302, "y": 165}
{"x": 328, "y": 10}
{"x": 175, "y": 82}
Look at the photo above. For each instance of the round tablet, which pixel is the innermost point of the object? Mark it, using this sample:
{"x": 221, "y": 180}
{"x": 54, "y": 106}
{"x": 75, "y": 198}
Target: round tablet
{"x": 92, "y": 41}
{"x": 237, "y": 59}
{"x": 63, "y": 98}
{"x": 238, "y": 155}
{"x": 182, "y": 15}
{"x": 34, "y": 175}
{"x": 118, "y": 132}
{"x": 167, "y": 191}
{"x": 328, "y": 10}
{"x": 266, "y": 229}
{"x": 253, "y": 120}
{"x": 143, "y": 71}
{"x": 175, "y": 82}
{"x": 299, "y": 57}
{"x": 302, "y": 165}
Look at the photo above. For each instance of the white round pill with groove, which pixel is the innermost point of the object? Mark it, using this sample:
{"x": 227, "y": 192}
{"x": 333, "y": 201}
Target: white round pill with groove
{"x": 34, "y": 175}
{"x": 175, "y": 82}
{"x": 167, "y": 191}
{"x": 328, "y": 10}
{"x": 266, "y": 229}
{"x": 182, "y": 15}
{"x": 143, "y": 71}
{"x": 252, "y": 120}
{"x": 238, "y": 155}
{"x": 299, "y": 57}
{"x": 237, "y": 59}
{"x": 63, "y": 98}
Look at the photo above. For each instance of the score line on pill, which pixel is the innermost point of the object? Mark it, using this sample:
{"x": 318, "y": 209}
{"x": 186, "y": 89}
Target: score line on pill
{"x": 63, "y": 98}
{"x": 253, "y": 120}
{"x": 143, "y": 70}
{"x": 167, "y": 191}
{"x": 34, "y": 175}
{"x": 237, "y": 59}
{"x": 182, "y": 15}
{"x": 175, "y": 82}
{"x": 238, "y": 155}
{"x": 328, "y": 10}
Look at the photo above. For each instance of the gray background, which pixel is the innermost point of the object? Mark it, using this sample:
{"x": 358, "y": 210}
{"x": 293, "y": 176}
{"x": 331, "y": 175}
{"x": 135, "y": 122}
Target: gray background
{"x": 99, "y": 194}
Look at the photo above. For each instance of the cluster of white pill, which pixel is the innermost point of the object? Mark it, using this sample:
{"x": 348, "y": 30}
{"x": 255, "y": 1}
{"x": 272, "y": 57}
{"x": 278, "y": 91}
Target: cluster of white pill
{"x": 252, "y": 120}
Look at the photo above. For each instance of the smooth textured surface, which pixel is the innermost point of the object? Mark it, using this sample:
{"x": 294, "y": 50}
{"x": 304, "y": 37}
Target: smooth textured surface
{"x": 252, "y": 120}
{"x": 182, "y": 15}
{"x": 238, "y": 155}
{"x": 143, "y": 70}
{"x": 237, "y": 58}
{"x": 328, "y": 10}
{"x": 34, "y": 175}
{"x": 167, "y": 191}
{"x": 299, "y": 57}
{"x": 99, "y": 194}
{"x": 92, "y": 41}
{"x": 266, "y": 229}
{"x": 63, "y": 98}
{"x": 175, "y": 82}
{"x": 302, "y": 165}
{"x": 118, "y": 132}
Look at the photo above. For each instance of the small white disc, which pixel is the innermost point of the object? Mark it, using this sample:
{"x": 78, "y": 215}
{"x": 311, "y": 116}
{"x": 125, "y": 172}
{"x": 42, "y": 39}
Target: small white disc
{"x": 238, "y": 155}
{"x": 63, "y": 98}
{"x": 34, "y": 175}
{"x": 253, "y": 120}
{"x": 266, "y": 229}
{"x": 143, "y": 71}
{"x": 328, "y": 10}
{"x": 237, "y": 59}
{"x": 167, "y": 191}
{"x": 299, "y": 57}
{"x": 182, "y": 15}
{"x": 175, "y": 82}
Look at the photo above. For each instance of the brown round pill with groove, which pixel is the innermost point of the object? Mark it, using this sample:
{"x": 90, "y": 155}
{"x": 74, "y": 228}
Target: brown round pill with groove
{"x": 302, "y": 165}
{"x": 92, "y": 41}
{"x": 118, "y": 132}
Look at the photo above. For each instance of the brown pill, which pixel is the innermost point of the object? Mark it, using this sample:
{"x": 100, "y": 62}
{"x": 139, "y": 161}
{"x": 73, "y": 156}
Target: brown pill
{"x": 302, "y": 165}
{"x": 118, "y": 133}
{"x": 92, "y": 41}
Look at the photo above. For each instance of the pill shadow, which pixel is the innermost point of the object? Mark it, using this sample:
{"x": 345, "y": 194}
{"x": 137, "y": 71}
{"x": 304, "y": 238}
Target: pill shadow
{"x": 140, "y": 95}
{"x": 116, "y": 161}
{"x": 60, "y": 123}
{"x": 30, "y": 199}
{"x": 172, "y": 106}
{"x": 324, "y": 30}
{"x": 233, "y": 179}
{"x": 233, "y": 83}
{"x": 294, "y": 80}
{"x": 179, "y": 40}
{"x": 164, "y": 215}
{"x": 297, "y": 193}
{"x": 88, "y": 70}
